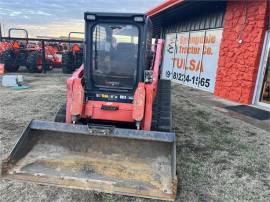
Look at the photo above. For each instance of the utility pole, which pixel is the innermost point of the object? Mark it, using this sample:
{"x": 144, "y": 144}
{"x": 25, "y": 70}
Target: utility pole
{"x": 0, "y": 31}
{"x": 3, "y": 27}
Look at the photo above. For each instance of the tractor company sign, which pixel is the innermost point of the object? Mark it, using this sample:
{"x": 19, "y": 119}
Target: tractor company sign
{"x": 191, "y": 58}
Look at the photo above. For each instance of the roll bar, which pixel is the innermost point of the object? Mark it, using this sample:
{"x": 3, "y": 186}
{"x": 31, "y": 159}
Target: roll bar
{"x": 69, "y": 34}
{"x": 18, "y": 29}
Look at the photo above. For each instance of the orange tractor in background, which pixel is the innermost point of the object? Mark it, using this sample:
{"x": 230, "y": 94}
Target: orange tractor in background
{"x": 53, "y": 57}
{"x": 4, "y": 45}
{"x": 72, "y": 58}
{"x": 13, "y": 53}
{"x": 16, "y": 52}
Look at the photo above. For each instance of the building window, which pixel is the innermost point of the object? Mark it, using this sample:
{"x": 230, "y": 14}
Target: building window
{"x": 265, "y": 92}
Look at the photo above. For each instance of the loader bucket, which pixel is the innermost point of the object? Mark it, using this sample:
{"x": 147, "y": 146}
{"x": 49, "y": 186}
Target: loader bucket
{"x": 112, "y": 160}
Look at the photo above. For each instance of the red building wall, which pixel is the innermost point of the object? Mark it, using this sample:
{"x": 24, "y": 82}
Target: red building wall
{"x": 239, "y": 62}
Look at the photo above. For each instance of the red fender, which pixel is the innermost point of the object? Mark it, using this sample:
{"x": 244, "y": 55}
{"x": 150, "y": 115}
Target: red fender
{"x": 139, "y": 103}
{"x": 75, "y": 48}
{"x": 16, "y": 45}
{"x": 2, "y": 69}
{"x": 77, "y": 98}
{"x": 147, "y": 121}
{"x": 75, "y": 95}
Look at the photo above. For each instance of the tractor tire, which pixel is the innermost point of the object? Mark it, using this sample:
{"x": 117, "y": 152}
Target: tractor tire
{"x": 9, "y": 59}
{"x": 162, "y": 115}
{"x": 32, "y": 62}
{"x": 78, "y": 60}
{"x": 61, "y": 114}
{"x": 67, "y": 63}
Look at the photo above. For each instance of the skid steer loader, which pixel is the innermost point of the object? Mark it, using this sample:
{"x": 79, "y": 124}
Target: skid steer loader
{"x": 114, "y": 133}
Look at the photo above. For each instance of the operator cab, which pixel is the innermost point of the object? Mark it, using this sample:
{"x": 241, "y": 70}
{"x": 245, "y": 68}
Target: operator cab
{"x": 117, "y": 53}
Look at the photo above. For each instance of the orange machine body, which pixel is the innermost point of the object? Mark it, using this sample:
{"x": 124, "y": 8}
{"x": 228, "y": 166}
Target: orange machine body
{"x": 2, "y": 69}
{"x": 140, "y": 110}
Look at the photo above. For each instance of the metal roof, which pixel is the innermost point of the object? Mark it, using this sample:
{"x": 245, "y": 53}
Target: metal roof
{"x": 167, "y": 4}
{"x": 172, "y": 12}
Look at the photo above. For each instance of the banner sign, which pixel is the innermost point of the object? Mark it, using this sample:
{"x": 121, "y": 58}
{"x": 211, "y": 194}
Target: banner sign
{"x": 191, "y": 58}
{"x": 167, "y": 63}
{"x": 180, "y": 57}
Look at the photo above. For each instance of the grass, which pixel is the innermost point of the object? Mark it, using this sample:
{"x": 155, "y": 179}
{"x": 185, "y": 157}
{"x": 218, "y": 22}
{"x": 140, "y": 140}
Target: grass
{"x": 216, "y": 159}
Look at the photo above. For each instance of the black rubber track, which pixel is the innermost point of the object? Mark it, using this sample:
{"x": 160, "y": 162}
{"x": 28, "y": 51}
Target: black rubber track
{"x": 9, "y": 59}
{"x": 162, "y": 115}
{"x": 67, "y": 63}
{"x": 31, "y": 62}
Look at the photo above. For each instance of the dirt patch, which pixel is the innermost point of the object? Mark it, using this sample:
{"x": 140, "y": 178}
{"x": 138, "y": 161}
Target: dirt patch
{"x": 219, "y": 158}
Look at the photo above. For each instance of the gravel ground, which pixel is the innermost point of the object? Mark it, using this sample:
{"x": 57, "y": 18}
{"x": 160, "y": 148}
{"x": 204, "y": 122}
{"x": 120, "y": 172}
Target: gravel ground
{"x": 219, "y": 158}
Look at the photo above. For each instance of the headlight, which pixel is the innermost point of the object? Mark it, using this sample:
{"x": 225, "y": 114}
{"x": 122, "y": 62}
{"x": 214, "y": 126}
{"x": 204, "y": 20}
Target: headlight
{"x": 91, "y": 17}
{"x": 138, "y": 19}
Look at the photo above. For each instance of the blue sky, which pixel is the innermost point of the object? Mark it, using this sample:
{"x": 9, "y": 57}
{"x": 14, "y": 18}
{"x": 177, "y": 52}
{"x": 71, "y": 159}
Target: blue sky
{"x": 58, "y": 17}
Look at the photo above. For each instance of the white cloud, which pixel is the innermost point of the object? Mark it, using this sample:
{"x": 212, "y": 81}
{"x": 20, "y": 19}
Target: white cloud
{"x": 15, "y": 13}
{"x": 41, "y": 13}
{"x": 26, "y": 17}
